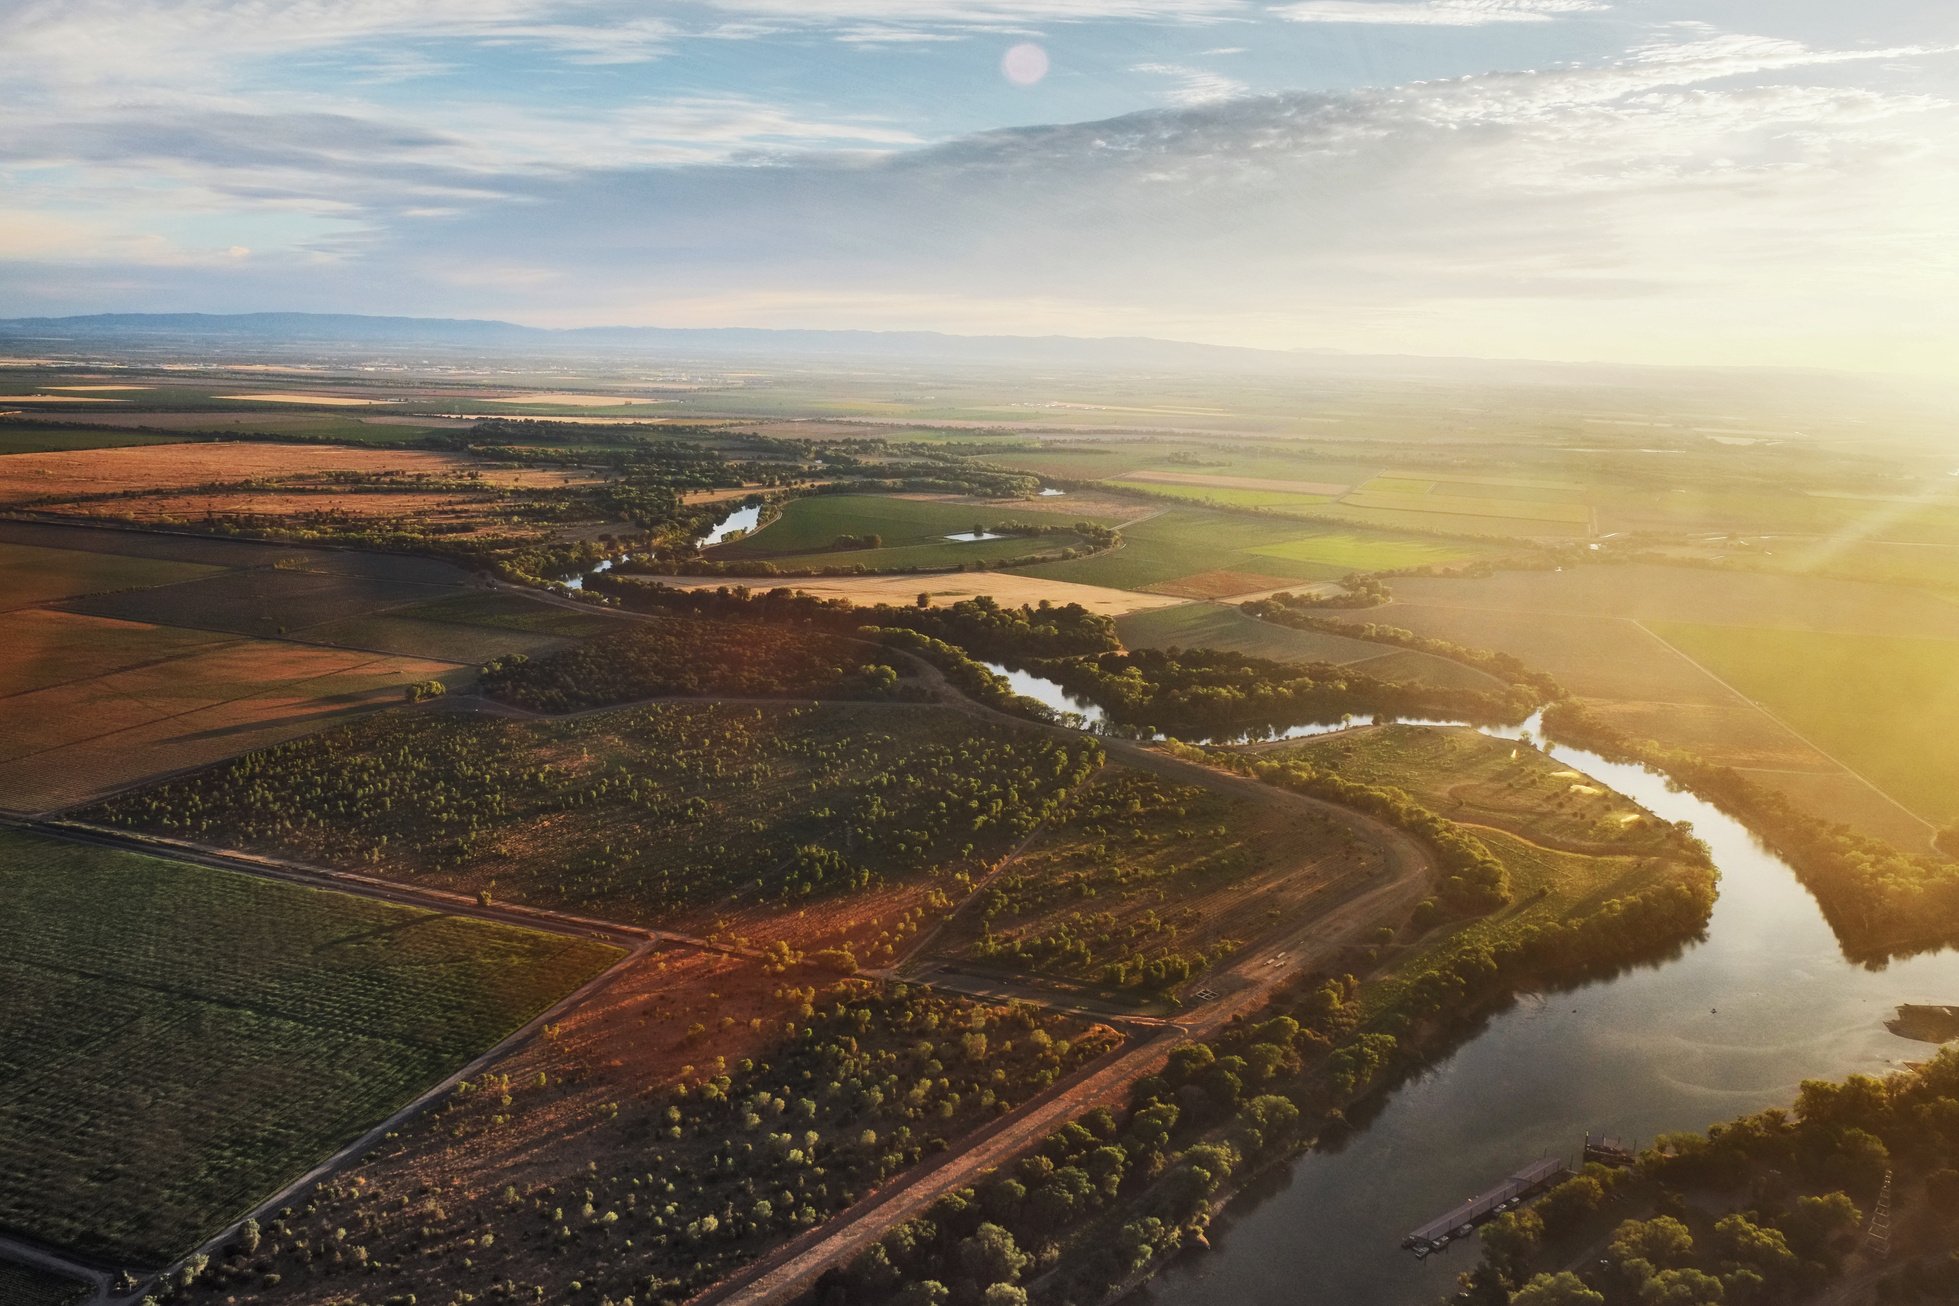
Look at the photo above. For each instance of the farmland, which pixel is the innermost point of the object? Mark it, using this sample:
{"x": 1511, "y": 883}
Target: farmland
{"x": 1887, "y": 707}
{"x": 912, "y": 532}
{"x": 1142, "y": 884}
{"x": 30, "y": 574}
{"x": 271, "y": 1024}
{"x": 699, "y": 1114}
{"x": 675, "y": 813}
{"x": 1182, "y": 541}
{"x": 21, "y": 1285}
{"x": 1009, "y": 588}
{"x": 1212, "y": 625}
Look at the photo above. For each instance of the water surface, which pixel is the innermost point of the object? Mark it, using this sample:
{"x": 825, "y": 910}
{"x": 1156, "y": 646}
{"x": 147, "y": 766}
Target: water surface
{"x": 1730, "y": 1026}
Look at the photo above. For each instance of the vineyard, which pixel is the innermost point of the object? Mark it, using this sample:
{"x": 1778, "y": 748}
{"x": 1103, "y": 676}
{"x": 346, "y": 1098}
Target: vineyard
{"x": 1144, "y": 883}
{"x": 636, "y": 814}
{"x": 177, "y": 1041}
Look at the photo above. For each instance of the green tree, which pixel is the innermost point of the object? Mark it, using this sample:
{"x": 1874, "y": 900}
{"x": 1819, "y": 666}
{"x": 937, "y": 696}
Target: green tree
{"x": 991, "y": 1256}
{"x": 1565, "y": 1289}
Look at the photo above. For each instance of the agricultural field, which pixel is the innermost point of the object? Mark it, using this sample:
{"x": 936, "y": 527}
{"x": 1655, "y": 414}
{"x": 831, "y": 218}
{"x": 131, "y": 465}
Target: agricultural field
{"x": 1179, "y": 543}
{"x": 271, "y": 1024}
{"x": 144, "y": 472}
{"x": 214, "y": 647}
{"x": 1142, "y": 884}
{"x": 1227, "y": 627}
{"x": 913, "y": 532}
{"x": 71, "y": 741}
{"x": 268, "y": 601}
{"x": 683, "y": 813}
{"x": 30, "y": 574}
{"x": 1886, "y": 707}
{"x": 1476, "y": 780}
{"x": 1009, "y": 588}
{"x": 17, "y": 437}
{"x": 700, "y": 1110}
{"x": 22, "y": 1285}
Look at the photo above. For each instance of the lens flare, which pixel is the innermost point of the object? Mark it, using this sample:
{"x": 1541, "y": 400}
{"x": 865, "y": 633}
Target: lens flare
{"x": 1024, "y": 64}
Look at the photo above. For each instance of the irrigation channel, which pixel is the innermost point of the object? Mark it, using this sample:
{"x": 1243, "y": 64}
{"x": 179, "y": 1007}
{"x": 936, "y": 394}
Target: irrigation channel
{"x": 741, "y": 519}
{"x": 1730, "y": 1025}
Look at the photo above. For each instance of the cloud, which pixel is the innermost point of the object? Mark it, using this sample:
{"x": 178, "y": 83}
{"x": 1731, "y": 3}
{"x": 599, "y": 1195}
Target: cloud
{"x": 1435, "y": 13}
{"x": 1194, "y": 85}
{"x": 1675, "y": 199}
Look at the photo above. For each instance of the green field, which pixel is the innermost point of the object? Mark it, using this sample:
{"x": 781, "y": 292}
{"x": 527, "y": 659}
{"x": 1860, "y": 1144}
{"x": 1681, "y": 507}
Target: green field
{"x": 177, "y": 1042}
{"x": 60, "y": 439}
{"x": 1887, "y": 707}
{"x": 1225, "y": 626}
{"x": 913, "y": 531}
{"x": 1470, "y": 777}
{"x": 1183, "y": 541}
{"x": 260, "y": 601}
{"x": 1271, "y": 500}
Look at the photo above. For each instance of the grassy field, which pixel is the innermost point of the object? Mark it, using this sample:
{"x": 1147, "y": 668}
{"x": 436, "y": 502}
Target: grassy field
{"x": 1182, "y": 542}
{"x": 178, "y": 1041}
{"x": 913, "y": 530}
{"x": 1886, "y": 707}
{"x": 31, "y": 574}
{"x": 17, "y": 438}
{"x": 1470, "y": 777}
{"x": 681, "y": 811}
{"x": 1222, "y": 626}
{"x": 1143, "y": 884}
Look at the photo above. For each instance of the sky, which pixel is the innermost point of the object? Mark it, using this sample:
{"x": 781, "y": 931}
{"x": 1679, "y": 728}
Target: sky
{"x": 1761, "y": 182}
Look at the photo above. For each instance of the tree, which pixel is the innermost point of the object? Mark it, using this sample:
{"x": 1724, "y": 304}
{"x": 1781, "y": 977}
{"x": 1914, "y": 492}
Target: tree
{"x": 924, "y": 1292}
{"x": 991, "y": 1255}
{"x": 1005, "y": 1294}
{"x": 1942, "y": 1190}
{"x": 1662, "y": 1241}
{"x": 1565, "y": 1289}
{"x": 1570, "y": 1204}
{"x": 1510, "y": 1240}
{"x": 1681, "y": 1287}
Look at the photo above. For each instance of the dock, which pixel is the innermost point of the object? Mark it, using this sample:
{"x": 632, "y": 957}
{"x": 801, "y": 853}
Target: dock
{"x": 1616, "y": 1152}
{"x": 1462, "y": 1220}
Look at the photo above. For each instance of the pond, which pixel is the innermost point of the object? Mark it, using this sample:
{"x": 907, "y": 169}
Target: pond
{"x": 1731, "y": 1025}
{"x": 975, "y": 537}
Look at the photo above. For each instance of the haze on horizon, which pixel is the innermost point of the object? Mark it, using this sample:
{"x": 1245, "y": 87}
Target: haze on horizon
{"x": 1760, "y": 182}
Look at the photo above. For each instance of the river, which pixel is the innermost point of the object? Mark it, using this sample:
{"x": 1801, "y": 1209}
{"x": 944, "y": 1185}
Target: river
{"x": 1731, "y": 1025}
{"x": 741, "y": 519}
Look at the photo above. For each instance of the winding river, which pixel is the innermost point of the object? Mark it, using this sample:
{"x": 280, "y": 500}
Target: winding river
{"x": 1731, "y": 1025}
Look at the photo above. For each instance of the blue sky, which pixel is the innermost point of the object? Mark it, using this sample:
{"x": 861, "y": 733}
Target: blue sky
{"x": 1731, "y": 181}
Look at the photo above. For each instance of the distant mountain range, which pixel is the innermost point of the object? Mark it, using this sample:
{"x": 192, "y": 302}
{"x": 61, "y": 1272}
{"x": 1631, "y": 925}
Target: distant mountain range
{"x": 348, "y": 329}
{"x": 344, "y": 336}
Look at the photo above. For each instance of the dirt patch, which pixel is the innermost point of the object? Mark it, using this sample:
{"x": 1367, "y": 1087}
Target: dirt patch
{"x": 1007, "y": 588}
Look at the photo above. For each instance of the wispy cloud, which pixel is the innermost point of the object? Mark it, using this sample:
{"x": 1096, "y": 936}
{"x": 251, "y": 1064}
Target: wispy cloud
{"x": 1435, "y": 13}
{"x": 1194, "y": 85}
